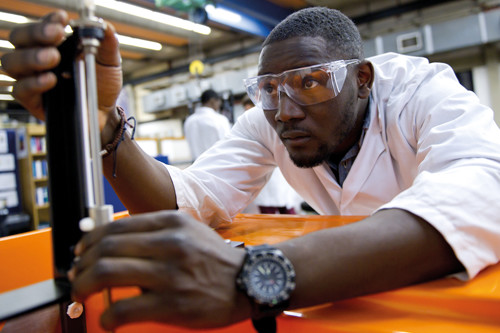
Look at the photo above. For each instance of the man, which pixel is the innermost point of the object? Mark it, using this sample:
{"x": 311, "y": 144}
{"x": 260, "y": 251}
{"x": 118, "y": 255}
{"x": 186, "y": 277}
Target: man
{"x": 393, "y": 137}
{"x": 206, "y": 126}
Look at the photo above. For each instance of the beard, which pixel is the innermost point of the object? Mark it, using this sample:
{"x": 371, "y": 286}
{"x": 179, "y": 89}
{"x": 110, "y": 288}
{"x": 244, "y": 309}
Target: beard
{"x": 321, "y": 155}
{"x": 323, "y": 152}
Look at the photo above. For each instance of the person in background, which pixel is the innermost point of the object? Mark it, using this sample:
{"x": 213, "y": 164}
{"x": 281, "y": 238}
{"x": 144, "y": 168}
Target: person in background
{"x": 206, "y": 125}
{"x": 391, "y": 137}
{"x": 247, "y": 103}
{"x": 277, "y": 196}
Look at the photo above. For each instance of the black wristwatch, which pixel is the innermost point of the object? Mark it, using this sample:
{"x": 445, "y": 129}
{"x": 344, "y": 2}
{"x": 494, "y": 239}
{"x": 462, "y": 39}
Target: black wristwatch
{"x": 268, "y": 279}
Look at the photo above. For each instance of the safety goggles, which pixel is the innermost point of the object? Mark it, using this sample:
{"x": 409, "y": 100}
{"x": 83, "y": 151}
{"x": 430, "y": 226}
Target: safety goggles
{"x": 305, "y": 86}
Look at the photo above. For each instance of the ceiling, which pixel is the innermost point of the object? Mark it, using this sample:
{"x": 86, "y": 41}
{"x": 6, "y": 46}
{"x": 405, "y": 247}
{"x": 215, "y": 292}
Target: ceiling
{"x": 179, "y": 47}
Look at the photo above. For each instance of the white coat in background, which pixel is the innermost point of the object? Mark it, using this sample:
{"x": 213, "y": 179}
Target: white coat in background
{"x": 203, "y": 128}
{"x": 278, "y": 193}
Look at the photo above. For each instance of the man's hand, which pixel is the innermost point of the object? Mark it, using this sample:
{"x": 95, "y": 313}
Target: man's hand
{"x": 36, "y": 54}
{"x": 185, "y": 270}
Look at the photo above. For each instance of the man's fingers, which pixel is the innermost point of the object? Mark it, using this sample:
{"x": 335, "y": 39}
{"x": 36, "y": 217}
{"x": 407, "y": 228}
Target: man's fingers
{"x": 168, "y": 307}
{"x": 50, "y": 31}
{"x": 109, "y": 54}
{"x": 144, "y": 307}
{"x": 134, "y": 224}
{"x": 114, "y": 246}
{"x": 161, "y": 245}
{"x": 58, "y": 16}
{"x": 119, "y": 272}
{"x": 30, "y": 61}
{"x": 29, "y": 90}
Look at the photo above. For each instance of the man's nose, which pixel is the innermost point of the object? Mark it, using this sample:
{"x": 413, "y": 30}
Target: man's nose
{"x": 288, "y": 109}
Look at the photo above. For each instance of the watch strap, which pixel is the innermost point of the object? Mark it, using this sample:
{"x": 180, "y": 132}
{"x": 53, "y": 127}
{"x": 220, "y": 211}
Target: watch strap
{"x": 265, "y": 324}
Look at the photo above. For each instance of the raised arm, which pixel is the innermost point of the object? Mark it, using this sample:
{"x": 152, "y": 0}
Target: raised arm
{"x": 142, "y": 183}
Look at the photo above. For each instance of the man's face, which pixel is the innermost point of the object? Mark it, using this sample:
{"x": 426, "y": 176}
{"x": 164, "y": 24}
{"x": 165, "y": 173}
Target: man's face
{"x": 312, "y": 133}
{"x": 217, "y": 103}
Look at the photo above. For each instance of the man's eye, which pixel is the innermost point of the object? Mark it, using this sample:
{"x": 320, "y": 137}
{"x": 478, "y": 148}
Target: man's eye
{"x": 269, "y": 89}
{"x": 316, "y": 79}
{"x": 309, "y": 83}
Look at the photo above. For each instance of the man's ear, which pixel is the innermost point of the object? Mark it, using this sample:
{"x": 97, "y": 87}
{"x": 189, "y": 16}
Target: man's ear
{"x": 366, "y": 75}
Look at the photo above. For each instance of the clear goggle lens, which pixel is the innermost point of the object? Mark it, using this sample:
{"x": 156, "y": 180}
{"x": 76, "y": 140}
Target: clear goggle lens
{"x": 305, "y": 86}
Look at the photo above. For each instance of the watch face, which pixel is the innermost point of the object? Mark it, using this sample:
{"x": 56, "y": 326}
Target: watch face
{"x": 269, "y": 278}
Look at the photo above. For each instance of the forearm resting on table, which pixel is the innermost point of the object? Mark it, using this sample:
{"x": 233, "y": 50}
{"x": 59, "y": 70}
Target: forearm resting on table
{"x": 391, "y": 249}
{"x": 142, "y": 183}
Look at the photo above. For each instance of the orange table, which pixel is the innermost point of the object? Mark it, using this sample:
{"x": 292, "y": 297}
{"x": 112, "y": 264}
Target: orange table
{"x": 438, "y": 306}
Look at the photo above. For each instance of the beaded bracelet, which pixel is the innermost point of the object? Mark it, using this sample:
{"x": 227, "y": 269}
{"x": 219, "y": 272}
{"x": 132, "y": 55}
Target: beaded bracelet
{"x": 110, "y": 147}
{"x": 120, "y": 136}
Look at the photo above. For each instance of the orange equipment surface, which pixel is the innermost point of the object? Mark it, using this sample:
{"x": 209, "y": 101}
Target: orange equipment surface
{"x": 438, "y": 306}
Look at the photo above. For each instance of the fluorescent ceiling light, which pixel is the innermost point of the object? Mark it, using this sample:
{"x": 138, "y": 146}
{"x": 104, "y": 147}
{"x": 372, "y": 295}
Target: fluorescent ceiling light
{"x": 6, "y": 78}
{"x": 6, "y": 44}
{"x": 6, "y": 97}
{"x": 131, "y": 41}
{"x": 148, "y": 14}
{"x": 13, "y": 18}
{"x": 217, "y": 13}
{"x": 145, "y": 44}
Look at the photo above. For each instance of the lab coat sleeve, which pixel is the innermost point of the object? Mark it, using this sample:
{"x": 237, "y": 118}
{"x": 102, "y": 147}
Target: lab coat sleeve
{"x": 228, "y": 176}
{"x": 456, "y": 145}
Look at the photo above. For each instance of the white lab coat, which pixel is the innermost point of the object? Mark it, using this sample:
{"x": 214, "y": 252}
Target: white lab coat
{"x": 278, "y": 193}
{"x": 203, "y": 128}
{"x": 431, "y": 149}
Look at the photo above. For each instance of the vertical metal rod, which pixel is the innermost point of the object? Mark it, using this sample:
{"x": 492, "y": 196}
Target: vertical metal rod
{"x": 80, "y": 81}
{"x": 95, "y": 139}
{"x": 98, "y": 210}
{"x": 100, "y": 213}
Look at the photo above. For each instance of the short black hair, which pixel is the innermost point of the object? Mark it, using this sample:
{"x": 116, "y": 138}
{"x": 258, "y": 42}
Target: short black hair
{"x": 208, "y": 95}
{"x": 335, "y": 28}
